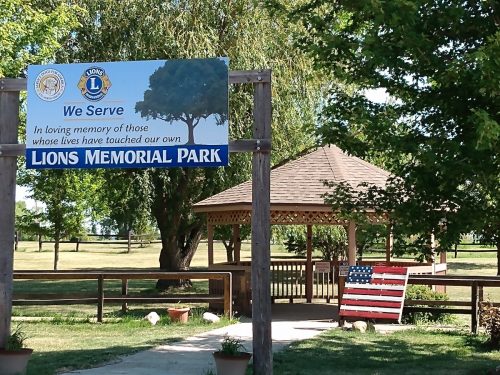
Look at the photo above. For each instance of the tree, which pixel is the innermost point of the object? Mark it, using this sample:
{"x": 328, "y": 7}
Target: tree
{"x": 30, "y": 35}
{"x": 438, "y": 65}
{"x": 242, "y": 30}
{"x": 187, "y": 91}
{"x": 63, "y": 193}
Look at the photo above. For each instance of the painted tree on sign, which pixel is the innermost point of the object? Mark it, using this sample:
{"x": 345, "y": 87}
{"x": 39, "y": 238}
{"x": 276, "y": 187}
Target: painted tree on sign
{"x": 187, "y": 91}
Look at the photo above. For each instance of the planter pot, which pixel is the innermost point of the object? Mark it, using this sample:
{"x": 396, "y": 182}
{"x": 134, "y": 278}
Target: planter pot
{"x": 178, "y": 314}
{"x": 14, "y": 362}
{"x": 230, "y": 364}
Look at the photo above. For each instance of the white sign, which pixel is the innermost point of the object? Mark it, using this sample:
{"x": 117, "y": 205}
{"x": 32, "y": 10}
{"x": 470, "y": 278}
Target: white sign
{"x": 344, "y": 268}
{"x": 137, "y": 114}
{"x": 322, "y": 267}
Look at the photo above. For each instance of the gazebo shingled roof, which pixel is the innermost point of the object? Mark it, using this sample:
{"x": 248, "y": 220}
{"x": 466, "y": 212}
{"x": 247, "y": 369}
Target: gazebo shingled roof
{"x": 296, "y": 190}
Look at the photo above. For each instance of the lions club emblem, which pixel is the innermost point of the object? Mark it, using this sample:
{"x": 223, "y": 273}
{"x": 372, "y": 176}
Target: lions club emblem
{"x": 49, "y": 85}
{"x": 94, "y": 84}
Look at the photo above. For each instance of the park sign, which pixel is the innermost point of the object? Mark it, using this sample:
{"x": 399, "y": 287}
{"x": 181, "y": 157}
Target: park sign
{"x": 136, "y": 114}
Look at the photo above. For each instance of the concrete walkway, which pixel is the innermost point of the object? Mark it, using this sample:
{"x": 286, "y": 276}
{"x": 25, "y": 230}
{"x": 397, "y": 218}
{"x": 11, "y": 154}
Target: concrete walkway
{"x": 193, "y": 356}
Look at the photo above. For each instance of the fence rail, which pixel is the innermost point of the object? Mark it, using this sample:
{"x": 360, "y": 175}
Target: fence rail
{"x": 476, "y": 284}
{"x": 100, "y": 298}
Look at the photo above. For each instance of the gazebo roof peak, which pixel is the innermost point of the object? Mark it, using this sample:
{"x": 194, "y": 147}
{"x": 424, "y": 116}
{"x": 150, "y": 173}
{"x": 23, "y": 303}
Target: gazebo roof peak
{"x": 300, "y": 182}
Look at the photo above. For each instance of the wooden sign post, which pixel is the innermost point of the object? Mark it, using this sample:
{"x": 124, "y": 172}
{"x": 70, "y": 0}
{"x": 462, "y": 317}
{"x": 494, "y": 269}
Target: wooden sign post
{"x": 9, "y": 119}
{"x": 261, "y": 190}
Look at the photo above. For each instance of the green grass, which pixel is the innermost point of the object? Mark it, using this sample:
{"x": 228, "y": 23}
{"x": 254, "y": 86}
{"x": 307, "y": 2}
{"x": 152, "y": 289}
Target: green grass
{"x": 405, "y": 352}
{"x": 67, "y": 344}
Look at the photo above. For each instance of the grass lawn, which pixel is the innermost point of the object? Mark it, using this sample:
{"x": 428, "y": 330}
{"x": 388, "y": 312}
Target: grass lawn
{"x": 66, "y": 344}
{"x": 405, "y": 352}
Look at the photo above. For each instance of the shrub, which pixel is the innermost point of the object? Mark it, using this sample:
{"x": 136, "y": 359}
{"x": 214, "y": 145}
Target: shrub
{"x": 490, "y": 320}
{"x": 424, "y": 293}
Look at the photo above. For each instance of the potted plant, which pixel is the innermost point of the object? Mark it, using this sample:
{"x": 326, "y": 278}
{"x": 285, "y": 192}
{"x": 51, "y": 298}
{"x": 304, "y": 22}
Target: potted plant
{"x": 231, "y": 359}
{"x": 14, "y": 357}
{"x": 179, "y": 313}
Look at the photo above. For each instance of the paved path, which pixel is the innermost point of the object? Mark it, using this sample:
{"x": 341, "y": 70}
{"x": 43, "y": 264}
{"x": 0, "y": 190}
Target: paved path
{"x": 193, "y": 356}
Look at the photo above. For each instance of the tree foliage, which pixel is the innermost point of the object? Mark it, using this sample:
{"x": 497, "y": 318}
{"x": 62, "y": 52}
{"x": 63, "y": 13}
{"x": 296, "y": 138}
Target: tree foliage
{"x": 29, "y": 35}
{"x": 437, "y": 64}
{"x": 252, "y": 39}
{"x": 187, "y": 91}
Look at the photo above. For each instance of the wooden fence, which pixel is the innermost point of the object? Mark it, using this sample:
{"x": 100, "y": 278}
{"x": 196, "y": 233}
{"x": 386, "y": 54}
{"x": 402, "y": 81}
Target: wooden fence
{"x": 100, "y": 297}
{"x": 128, "y": 240}
{"x": 471, "y": 307}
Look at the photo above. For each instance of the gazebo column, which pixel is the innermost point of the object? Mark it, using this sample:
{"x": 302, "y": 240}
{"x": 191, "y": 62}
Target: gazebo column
{"x": 389, "y": 243}
{"x": 309, "y": 266}
{"x": 351, "y": 243}
{"x": 236, "y": 242}
{"x": 210, "y": 238}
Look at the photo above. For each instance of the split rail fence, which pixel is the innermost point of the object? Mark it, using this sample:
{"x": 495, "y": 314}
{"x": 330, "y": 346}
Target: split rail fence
{"x": 100, "y": 297}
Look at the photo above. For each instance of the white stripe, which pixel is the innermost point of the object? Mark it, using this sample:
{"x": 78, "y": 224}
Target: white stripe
{"x": 388, "y": 276}
{"x": 375, "y": 286}
{"x": 370, "y": 309}
{"x": 372, "y": 298}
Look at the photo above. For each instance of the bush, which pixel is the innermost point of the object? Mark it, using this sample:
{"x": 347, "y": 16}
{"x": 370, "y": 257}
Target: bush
{"x": 424, "y": 293}
{"x": 490, "y": 320}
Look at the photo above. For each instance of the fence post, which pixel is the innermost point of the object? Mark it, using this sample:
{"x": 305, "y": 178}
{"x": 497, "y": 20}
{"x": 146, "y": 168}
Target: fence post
{"x": 474, "y": 307}
{"x": 124, "y": 294}
{"x": 100, "y": 298}
{"x": 228, "y": 295}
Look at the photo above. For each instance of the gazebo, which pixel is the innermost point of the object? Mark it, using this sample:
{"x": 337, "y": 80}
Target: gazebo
{"x": 297, "y": 190}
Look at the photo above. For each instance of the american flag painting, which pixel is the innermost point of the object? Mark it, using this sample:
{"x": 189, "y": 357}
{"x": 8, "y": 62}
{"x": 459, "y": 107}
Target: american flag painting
{"x": 376, "y": 292}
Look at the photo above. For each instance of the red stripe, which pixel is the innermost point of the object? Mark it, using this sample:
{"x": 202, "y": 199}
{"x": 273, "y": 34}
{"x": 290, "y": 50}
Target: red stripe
{"x": 368, "y": 314}
{"x": 361, "y": 291}
{"x": 388, "y": 281}
{"x": 393, "y": 270}
{"x": 355, "y": 302}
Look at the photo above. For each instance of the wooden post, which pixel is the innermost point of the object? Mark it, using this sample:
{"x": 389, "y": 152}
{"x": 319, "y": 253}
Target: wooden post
{"x": 124, "y": 294}
{"x": 228, "y": 295}
{"x": 100, "y": 298}
{"x": 261, "y": 230}
{"x": 389, "y": 243}
{"x": 129, "y": 240}
{"x": 236, "y": 242}
{"x": 474, "y": 322}
{"x": 9, "y": 119}
{"x": 210, "y": 235}
{"x": 351, "y": 243}
{"x": 309, "y": 266}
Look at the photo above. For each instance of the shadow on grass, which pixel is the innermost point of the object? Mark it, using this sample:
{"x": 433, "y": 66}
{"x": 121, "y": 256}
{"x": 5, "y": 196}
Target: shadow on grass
{"x": 467, "y": 266}
{"x": 49, "y": 363}
{"x": 408, "y": 352}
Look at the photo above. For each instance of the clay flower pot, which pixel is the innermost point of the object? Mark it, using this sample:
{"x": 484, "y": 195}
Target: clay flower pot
{"x": 231, "y": 364}
{"x": 14, "y": 362}
{"x": 178, "y": 314}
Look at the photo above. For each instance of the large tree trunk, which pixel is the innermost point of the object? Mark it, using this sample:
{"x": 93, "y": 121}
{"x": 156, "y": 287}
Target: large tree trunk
{"x": 180, "y": 233}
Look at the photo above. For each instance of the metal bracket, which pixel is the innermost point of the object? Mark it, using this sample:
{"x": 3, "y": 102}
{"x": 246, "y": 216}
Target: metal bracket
{"x": 12, "y": 150}
{"x": 250, "y": 145}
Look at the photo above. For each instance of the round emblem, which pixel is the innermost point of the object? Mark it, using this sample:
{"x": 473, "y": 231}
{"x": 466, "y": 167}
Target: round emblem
{"x": 49, "y": 85}
{"x": 94, "y": 83}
